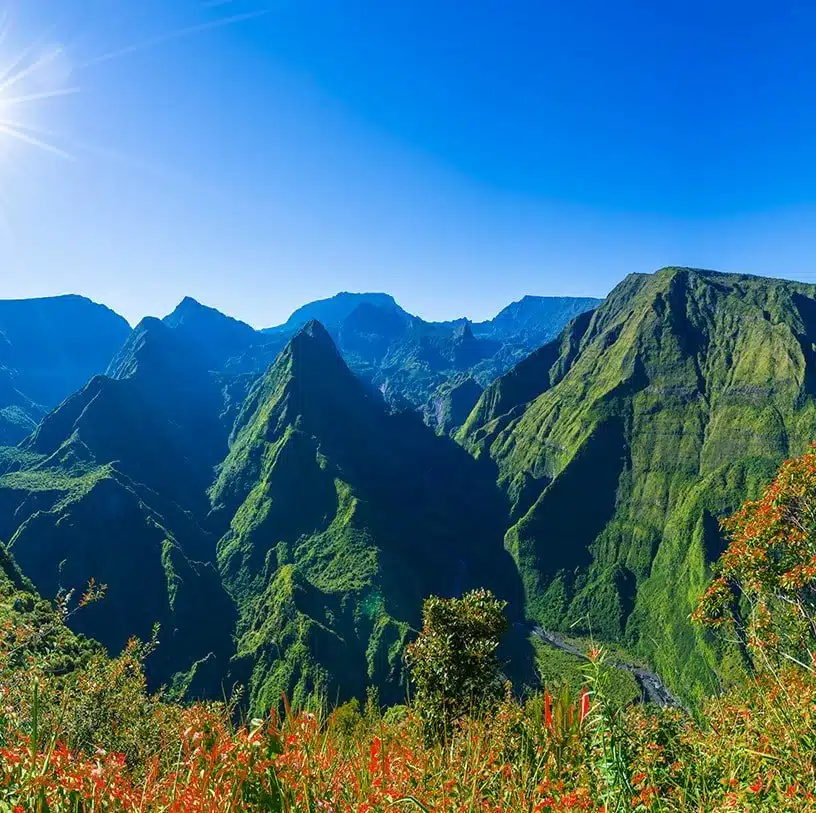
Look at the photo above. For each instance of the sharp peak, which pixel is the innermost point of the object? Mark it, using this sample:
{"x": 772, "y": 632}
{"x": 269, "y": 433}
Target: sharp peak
{"x": 189, "y": 301}
{"x": 463, "y": 330}
{"x": 315, "y": 329}
{"x": 190, "y": 304}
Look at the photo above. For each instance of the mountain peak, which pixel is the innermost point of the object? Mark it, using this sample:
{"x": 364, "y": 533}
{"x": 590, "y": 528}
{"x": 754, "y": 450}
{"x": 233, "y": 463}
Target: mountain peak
{"x": 463, "y": 332}
{"x": 314, "y": 330}
{"x": 333, "y": 311}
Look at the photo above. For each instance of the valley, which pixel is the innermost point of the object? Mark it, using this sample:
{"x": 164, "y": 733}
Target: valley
{"x": 281, "y": 501}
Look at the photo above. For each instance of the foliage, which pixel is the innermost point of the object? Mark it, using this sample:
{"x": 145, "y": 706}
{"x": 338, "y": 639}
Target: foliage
{"x": 338, "y": 530}
{"x": 90, "y": 738}
{"x": 765, "y": 585}
{"x": 453, "y": 661}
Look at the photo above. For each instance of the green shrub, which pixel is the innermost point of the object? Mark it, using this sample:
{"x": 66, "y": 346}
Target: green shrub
{"x": 453, "y": 662}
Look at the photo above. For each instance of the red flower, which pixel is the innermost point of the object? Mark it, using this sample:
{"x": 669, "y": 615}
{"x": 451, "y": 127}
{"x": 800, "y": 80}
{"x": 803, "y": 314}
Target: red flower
{"x": 548, "y": 710}
{"x": 584, "y": 704}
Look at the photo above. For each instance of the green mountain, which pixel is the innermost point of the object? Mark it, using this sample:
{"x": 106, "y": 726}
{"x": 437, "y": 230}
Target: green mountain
{"x": 49, "y": 348}
{"x": 620, "y": 444}
{"x": 339, "y": 528}
{"x": 408, "y": 359}
{"x": 112, "y": 485}
{"x": 260, "y": 497}
{"x": 282, "y": 529}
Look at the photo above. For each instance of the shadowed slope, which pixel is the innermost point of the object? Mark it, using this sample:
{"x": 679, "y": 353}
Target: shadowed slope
{"x": 112, "y": 486}
{"x": 49, "y": 348}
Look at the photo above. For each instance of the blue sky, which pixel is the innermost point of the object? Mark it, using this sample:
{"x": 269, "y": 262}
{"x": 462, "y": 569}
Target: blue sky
{"x": 457, "y": 155}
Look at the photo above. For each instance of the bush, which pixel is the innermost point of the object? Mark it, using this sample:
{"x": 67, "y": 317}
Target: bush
{"x": 453, "y": 662}
{"x": 765, "y": 585}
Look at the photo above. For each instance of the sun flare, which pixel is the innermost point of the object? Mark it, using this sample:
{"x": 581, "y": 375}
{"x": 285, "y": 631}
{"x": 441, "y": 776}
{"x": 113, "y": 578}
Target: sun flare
{"x": 30, "y": 76}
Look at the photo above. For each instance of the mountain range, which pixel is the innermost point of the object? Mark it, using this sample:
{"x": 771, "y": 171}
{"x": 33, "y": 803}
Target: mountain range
{"x": 280, "y": 501}
{"x": 48, "y": 349}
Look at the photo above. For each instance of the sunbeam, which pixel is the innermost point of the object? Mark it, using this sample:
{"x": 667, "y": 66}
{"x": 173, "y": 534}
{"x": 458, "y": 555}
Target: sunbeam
{"x": 34, "y": 66}
{"x": 35, "y": 142}
{"x": 175, "y": 35}
{"x": 35, "y": 97}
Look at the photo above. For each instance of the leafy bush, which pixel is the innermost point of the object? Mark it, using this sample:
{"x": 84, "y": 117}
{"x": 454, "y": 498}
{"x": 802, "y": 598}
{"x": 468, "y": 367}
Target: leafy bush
{"x": 765, "y": 585}
{"x": 453, "y": 662}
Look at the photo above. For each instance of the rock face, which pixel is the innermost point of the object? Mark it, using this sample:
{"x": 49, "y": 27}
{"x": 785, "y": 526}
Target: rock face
{"x": 49, "y": 348}
{"x": 449, "y": 407}
{"x": 620, "y": 445}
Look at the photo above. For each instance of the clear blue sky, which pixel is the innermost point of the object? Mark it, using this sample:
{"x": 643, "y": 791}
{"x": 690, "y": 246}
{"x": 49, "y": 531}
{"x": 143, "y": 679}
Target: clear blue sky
{"x": 455, "y": 154}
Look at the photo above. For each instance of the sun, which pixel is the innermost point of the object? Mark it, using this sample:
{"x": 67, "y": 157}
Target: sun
{"x": 29, "y": 78}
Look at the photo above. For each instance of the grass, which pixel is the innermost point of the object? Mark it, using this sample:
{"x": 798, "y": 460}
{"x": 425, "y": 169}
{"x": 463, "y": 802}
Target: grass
{"x": 556, "y": 668}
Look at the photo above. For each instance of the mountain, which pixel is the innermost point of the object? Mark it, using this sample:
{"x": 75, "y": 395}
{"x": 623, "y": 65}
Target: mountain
{"x": 451, "y": 404}
{"x": 112, "y": 486}
{"x": 340, "y": 528}
{"x": 49, "y": 348}
{"x": 620, "y": 445}
{"x": 332, "y": 312}
{"x": 535, "y": 319}
{"x": 282, "y": 529}
{"x": 216, "y": 337}
{"x": 408, "y": 359}
{"x": 19, "y": 415}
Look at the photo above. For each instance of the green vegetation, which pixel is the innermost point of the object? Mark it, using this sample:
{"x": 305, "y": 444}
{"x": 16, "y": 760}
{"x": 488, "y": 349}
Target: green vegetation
{"x": 79, "y": 732}
{"x": 557, "y": 668}
{"x": 453, "y": 661}
{"x": 283, "y": 523}
{"x": 336, "y": 532}
{"x": 621, "y": 444}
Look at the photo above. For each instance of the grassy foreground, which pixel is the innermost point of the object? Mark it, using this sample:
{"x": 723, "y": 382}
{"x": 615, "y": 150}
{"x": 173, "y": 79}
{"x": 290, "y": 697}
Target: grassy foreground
{"x": 96, "y": 741}
{"x": 80, "y": 732}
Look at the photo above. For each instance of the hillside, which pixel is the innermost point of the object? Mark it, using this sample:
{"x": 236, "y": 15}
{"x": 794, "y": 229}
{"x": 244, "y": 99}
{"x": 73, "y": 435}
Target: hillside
{"x": 621, "y": 443}
{"x": 111, "y": 487}
{"x": 339, "y": 528}
{"x": 49, "y": 348}
{"x": 332, "y": 523}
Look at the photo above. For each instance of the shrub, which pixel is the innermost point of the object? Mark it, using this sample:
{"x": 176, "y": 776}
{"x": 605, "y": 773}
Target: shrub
{"x": 453, "y": 662}
{"x": 765, "y": 585}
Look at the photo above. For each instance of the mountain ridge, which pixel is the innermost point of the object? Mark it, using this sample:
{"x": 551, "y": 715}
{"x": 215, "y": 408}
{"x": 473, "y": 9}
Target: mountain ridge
{"x": 673, "y": 401}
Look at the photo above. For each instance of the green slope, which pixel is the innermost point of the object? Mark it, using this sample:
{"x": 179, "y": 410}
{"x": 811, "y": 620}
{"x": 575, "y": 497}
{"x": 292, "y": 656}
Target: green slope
{"x": 343, "y": 518}
{"x": 620, "y": 444}
{"x": 112, "y": 486}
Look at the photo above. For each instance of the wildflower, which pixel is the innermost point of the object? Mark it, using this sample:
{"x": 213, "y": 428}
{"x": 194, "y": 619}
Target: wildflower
{"x": 584, "y": 704}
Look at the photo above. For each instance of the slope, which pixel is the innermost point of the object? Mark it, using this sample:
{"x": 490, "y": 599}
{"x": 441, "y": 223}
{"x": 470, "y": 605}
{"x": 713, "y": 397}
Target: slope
{"x": 49, "y": 348}
{"x": 410, "y": 361}
{"x": 112, "y": 486}
{"x": 343, "y": 518}
{"x": 620, "y": 444}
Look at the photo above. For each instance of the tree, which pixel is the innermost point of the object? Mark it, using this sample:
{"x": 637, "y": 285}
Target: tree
{"x": 453, "y": 662}
{"x": 765, "y": 581}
